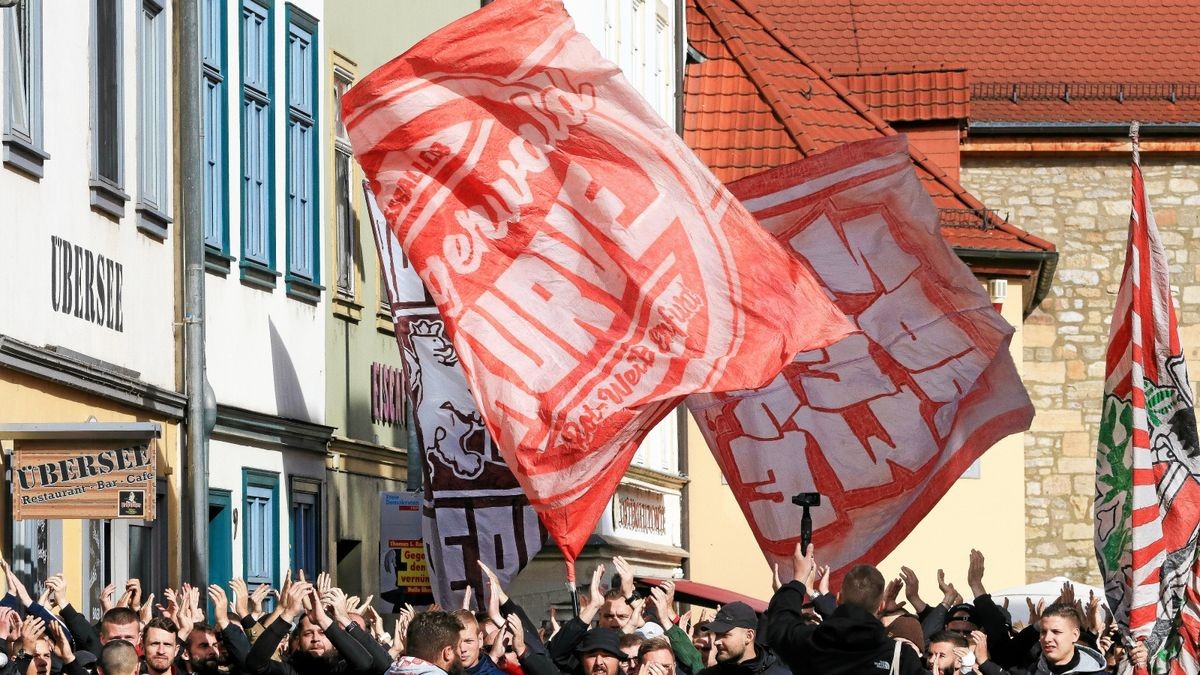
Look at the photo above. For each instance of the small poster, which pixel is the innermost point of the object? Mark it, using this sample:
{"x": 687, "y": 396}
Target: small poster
{"x": 403, "y": 565}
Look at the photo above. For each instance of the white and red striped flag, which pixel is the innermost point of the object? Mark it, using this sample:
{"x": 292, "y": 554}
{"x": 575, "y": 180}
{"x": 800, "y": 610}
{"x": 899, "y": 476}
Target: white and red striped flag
{"x": 1148, "y": 463}
{"x": 883, "y": 422}
{"x": 591, "y": 271}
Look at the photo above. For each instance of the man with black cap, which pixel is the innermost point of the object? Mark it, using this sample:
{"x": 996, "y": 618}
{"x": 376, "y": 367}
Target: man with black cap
{"x": 600, "y": 652}
{"x": 734, "y": 629}
{"x": 853, "y": 640}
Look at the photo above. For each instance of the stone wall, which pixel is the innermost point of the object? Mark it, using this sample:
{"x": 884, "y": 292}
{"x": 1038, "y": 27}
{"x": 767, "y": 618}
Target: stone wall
{"x": 1082, "y": 204}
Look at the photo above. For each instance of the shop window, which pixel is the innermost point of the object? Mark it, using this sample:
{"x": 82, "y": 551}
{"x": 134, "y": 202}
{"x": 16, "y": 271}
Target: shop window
{"x": 22, "y": 39}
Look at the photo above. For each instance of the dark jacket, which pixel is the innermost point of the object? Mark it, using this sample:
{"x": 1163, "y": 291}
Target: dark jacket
{"x": 351, "y": 659}
{"x": 1087, "y": 661}
{"x": 764, "y": 663}
{"x": 852, "y": 642}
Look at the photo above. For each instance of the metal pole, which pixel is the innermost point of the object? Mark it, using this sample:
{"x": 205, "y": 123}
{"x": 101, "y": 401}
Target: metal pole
{"x": 201, "y": 407}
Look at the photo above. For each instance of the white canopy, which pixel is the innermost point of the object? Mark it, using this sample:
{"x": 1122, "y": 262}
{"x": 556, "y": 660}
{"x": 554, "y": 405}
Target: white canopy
{"x": 1039, "y": 591}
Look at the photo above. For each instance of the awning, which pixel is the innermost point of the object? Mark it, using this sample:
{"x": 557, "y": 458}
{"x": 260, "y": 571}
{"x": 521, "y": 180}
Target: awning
{"x": 705, "y": 595}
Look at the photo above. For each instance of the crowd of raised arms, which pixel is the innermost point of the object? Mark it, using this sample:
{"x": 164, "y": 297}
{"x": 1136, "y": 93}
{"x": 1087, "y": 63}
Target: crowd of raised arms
{"x": 315, "y": 628}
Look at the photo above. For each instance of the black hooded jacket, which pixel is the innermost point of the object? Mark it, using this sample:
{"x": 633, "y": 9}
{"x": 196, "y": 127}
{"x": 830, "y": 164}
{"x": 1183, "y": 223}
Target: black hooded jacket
{"x": 764, "y": 663}
{"x": 851, "y": 642}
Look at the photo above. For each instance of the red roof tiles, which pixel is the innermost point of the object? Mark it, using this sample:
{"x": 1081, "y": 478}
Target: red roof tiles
{"x": 918, "y": 96}
{"x": 1091, "y": 60}
{"x": 756, "y": 103}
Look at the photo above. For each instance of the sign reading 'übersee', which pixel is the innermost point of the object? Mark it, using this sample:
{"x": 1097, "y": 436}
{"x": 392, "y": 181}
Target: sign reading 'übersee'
{"x": 56, "y": 479}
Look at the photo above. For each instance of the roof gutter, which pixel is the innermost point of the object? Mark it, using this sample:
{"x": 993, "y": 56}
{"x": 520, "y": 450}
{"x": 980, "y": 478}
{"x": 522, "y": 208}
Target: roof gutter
{"x": 982, "y": 128}
{"x": 1046, "y": 261}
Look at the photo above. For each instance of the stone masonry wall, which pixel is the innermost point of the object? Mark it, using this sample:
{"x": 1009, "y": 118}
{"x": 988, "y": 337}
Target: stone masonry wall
{"x": 1082, "y": 204}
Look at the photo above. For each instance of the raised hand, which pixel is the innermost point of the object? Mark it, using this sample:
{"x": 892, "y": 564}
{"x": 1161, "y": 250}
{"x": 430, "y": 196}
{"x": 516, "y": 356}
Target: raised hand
{"x": 240, "y": 596}
{"x": 106, "y": 599}
{"x": 1067, "y": 595}
{"x": 493, "y": 582}
{"x": 316, "y": 610}
{"x": 517, "y": 630}
{"x": 9, "y": 629}
{"x": 776, "y": 584}
{"x": 14, "y": 584}
{"x": 172, "y": 604}
{"x": 810, "y": 581}
{"x": 256, "y": 599}
{"x": 802, "y": 562}
{"x": 59, "y": 643}
{"x": 220, "y": 603}
{"x": 975, "y": 574}
{"x": 912, "y": 589}
{"x": 336, "y": 599}
{"x": 553, "y": 623}
{"x": 625, "y": 572}
{"x": 638, "y": 618}
{"x": 146, "y": 611}
{"x": 1139, "y": 656}
{"x": 663, "y": 597}
{"x": 133, "y": 589}
{"x": 324, "y": 582}
{"x": 979, "y": 645}
{"x": 57, "y": 587}
{"x": 890, "y": 593}
{"x": 595, "y": 597}
{"x": 949, "y": 594}
{"x": 32, "y": 629}
{"x": 292, "y": 602}
{"x": 468, "y": 595}
{"x": 824, "y": 574}
{"x": 1095, "y": 613}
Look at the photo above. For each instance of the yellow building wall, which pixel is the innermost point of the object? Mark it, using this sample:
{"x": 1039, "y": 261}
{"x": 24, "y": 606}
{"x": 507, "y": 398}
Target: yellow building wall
{"x": 987, "y": 513}
{"x": 26, "y": 400}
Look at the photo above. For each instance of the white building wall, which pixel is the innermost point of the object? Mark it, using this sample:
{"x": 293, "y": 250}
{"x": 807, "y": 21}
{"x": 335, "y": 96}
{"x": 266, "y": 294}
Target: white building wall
{"x": 266, "y": 350}
{"x": 57, "y": 205}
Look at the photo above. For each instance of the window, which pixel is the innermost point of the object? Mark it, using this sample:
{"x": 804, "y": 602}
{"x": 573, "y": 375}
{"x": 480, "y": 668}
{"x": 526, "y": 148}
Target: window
{"x": 108, "y": 195}
{"x": 153, "y": 179}
{"x": 22, "y": 26}
{"x": 258, "y": 147}
{"x": 638, "y": 45}
{"x": 260, "y": 564}
{"x": 344, "y": 217}
{"x": 664, "y": 66}
{"x": 215, "y": 176}
{"x": 302, "y": 234}
{"x": 306, "y": 527}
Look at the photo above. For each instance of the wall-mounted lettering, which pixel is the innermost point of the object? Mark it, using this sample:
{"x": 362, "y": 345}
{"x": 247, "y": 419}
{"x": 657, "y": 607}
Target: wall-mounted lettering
{"x": 387, "y": 395}
{"x": 86, "y": 285}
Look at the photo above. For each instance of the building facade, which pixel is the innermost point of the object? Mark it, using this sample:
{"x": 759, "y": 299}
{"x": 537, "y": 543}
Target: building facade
{"x": 265, "y": 183}
{"x": 88, "y": 319}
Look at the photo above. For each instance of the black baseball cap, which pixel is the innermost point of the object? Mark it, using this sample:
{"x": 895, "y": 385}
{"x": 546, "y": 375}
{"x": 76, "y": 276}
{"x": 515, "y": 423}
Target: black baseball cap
{"x": 733, "y": 615}
{"x": 604, "y": 640}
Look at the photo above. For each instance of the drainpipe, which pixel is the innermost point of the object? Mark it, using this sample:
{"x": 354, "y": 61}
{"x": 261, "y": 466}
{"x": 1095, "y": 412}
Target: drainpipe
{"x": 201, "y": 404}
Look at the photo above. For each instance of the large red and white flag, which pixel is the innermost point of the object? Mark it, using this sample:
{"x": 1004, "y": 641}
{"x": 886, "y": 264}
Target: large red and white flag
{"x": 1148, "y": 460}
{"x": 590, "y": 270}
{"x": 882, "y": 422}
{"x": 473, "y": 510}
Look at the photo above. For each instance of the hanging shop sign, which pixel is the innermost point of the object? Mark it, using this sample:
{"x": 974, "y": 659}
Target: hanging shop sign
{"x": 61, "y": 479}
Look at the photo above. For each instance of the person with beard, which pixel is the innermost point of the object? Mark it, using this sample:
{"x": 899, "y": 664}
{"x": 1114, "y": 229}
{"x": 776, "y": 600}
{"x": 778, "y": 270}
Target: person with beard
{"x": 201, "y": 653}
{"x": 600, "y": 652}
{"x": 319, "y": 645}
{"x": 431, "y": 646}
{"x": 853, "y": 640}
{"x": 734, "y": 631}
{"x": 159, "y": 645}
{"x": 117, "y": 657}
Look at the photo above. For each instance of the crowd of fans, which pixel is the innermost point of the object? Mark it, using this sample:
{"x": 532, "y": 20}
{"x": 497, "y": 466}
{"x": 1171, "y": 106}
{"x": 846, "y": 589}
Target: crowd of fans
{"x": 314, "y": 628}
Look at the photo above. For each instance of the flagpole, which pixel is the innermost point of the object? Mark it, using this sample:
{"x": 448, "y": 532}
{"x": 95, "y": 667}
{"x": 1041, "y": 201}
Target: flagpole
{"x": 1135, "y": 141}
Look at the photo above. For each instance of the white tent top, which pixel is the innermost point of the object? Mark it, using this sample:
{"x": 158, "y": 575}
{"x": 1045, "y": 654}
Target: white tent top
{"x": 1042, "y": 590}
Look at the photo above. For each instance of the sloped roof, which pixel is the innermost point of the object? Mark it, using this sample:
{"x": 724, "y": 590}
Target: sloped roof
{"x": 914, "y": 96}
{"x": 1028, "y": 60}
{"x": 756, "y": 103}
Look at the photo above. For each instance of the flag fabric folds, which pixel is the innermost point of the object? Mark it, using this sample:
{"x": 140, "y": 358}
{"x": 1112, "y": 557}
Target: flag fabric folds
{"x": 473, "y": 508}
{"x": 590, "y": 269}
{"x": 882, "y": 422}
{"x": 1147, "y": 497}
